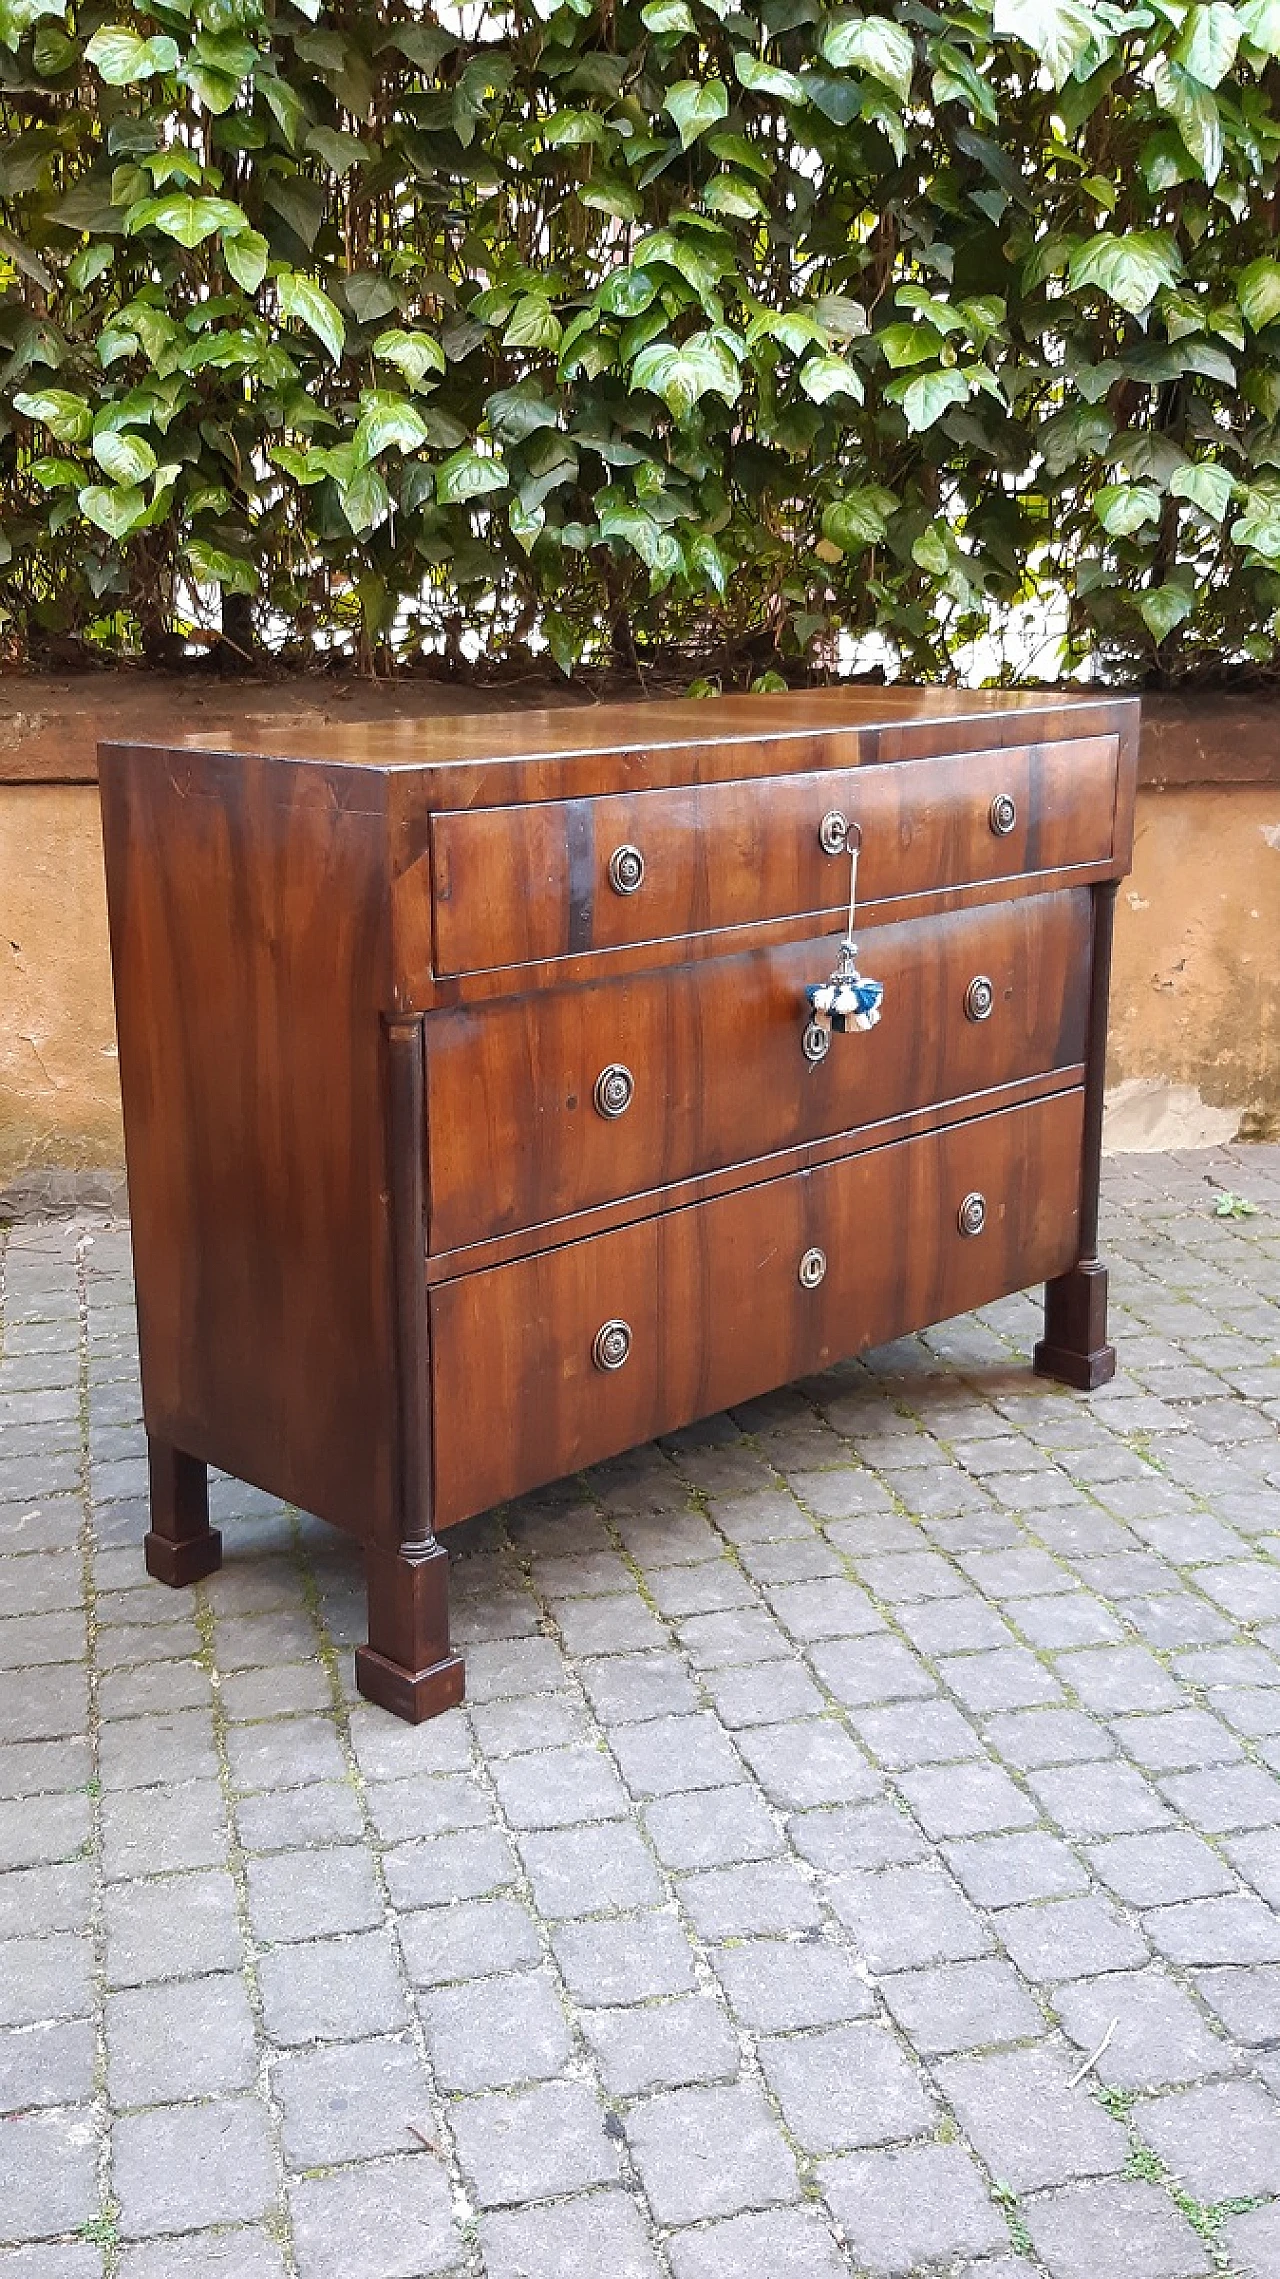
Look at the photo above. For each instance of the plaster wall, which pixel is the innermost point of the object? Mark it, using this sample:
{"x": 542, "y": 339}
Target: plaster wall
{"x": 1195, "y": 1027}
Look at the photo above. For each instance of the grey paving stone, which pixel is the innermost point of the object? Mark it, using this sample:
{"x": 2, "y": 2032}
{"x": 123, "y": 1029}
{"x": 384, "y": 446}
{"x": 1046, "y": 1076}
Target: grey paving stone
{"x": 1226, "y": 1798}
{"x": 240, "y": 2254}
{"x": 610, "y": 1626}
{"x": 1071, "y": 1938}
{"x": 1114, "y": 2230}
{"x": 781, "y": 1985}
{"x": 827, "y": 1607}
{"x": 904, "y": 1918}
{"x": 563, "y": 1787}
{"x": 286, "y": 1752}
{"x": 47, "y": 2064}
{"x": 627, "y": 1959}
{"x": 182, "y": 2166}
{"x": 153, "y": 1685}
{"x": 811, "y": 1762}
{"x": 588, "y": 1871}
{"x": 628, "y": 1688}
{"x": 771, "y": 1693}
{"x": 1011, "y": 1678}
{"x": 787, "y": 2243}
{"x": 711, "y": 1828}
{"x": 861, "y": 1671}
{"x": 498, "y": 1668}
{"x": 46, "y": 1977}
{"x": 954, "y": 1626}
{"x": 56, "y": 1898}
{"x": 762, "y": 1897}
{"x": 845, "y": 2086}
{"x": 1032, "y": 1738}
{"x": 1235, "y": 1929}
{"x": 1003, "y": 1871}
{"x": 1158, "y": 2036}
{"x": 332, "y": 1990}
{"x": 520, "y": 1726}
{"x": 533, "y": 2144}
{"x": 477, "y": 1938}
{"x": 918, "y": 2204}
{"x": 193, "y": 2039}
{"x": 1222, "y": 2141}
{"x": 1098, "y": 1799}
{"x": 469, "y": 1865}
{"x": 1247, "y": 2001}
{"x": 961, "y": 2006}
{"x": 670, "y": 1754}
{"x": 352, "y": 2102}
{"x": 1252, "y": 2242}
{"x": 496, "y": 2033}
{"x": 600, "y": 2236}
{"x": 43, "y": 1704}
{"x": 663, "y": 2045}
{"x": 710, "y": 2152}
{"x": 387, "y": 2219}
{"x": 326, "y": 1813}
{"x": 47, "y": 2180}
{"x": 965, "y": 1800}
{"x": 1025, "y": 2121}
{"x": 1155, "y": 1870}
{"x": 181, "y": 1926}
{"x": 858, "y": 1836}
{"x": 313, "y": 1894}
{"x": 1179, "y": 1740}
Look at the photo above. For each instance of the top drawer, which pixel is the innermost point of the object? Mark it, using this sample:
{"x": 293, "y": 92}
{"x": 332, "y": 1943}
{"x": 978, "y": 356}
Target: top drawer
{"x": 514, "y": 885}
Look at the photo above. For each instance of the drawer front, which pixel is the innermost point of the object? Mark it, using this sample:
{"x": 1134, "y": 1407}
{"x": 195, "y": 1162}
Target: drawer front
{"x": 719, "y": 1305}
{"x": 524, "y": 1120}
{"x": 515, "y": 885}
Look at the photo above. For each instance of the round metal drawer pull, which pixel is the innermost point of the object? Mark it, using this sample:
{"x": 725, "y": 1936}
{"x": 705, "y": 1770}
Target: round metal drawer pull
{"x": 612, "y": 1345}
{"x": 812, "y": 1268}
{"x": 979, "y": 997}
{"x": 615, "y": 1089}
{"x": 815, "y": 1043}
{"x": 1003, "y": 814}
{"x": 833, "y": 832}
{"x": 972, "y": 1214}
{"x": 626, "y": 869}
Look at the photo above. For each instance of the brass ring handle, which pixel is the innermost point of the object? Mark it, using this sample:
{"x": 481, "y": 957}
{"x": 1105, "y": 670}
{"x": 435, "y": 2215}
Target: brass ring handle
{"x": 971, "y": 1217}
{"x": 626, "y": 869}
{"x": 833, "y": 832}
{"x": 979, "y": 998}
{"x": 615, "y": 1090}
{"x": 812, "y": 1267}
{"x": 612, "y": 1344}
{"x": 1003, "y": 814}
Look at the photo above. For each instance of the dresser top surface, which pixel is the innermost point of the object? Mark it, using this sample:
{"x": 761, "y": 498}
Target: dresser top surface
{"x": 579, "y": 730}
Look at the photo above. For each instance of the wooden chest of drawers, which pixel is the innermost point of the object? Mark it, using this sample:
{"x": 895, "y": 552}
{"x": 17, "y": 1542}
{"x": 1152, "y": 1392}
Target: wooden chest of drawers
{"x": 471, "y": 1132}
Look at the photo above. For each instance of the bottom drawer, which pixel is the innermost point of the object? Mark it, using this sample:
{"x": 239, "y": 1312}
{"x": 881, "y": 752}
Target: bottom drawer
{"x": 727, "y": 1299}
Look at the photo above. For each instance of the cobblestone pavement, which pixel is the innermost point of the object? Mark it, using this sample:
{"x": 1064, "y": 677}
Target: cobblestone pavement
{"x": 860, "y": 1853}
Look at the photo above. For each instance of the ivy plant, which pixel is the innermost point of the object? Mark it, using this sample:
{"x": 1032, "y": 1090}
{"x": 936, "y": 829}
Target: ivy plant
{"x": 762, "y": 338}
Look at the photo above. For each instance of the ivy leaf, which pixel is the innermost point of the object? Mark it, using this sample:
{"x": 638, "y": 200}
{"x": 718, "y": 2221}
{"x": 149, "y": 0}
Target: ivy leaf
{"x": 1260, "y": 25}
{"x": 1129, "y": 270}
{"x": 67, "y": 417}
{"x": 924, "y": 400}
{"x": 1206, "y": 46}
{"x": 682, "y": 376}
{"x": 533, "y": 325}
{"x": 874, "y": 45}
{"x": 1259, "y": 292}
{"x": 1259, "y": 526}
{"x": 387, "y": 421}
{"x": 469, "y": 475}
{"x": 1125, "y": 508}
{"x": 1207, "y": 485}
{"x": 1060, "y": 31}
{"x": 657, "y": 548}
{"x": 1162, "y": 608}
{"x": 729, "y": 194}
{"x": 365, "y": 499}
{"x": 126, "y": 459}
{"x": 245, "y": 254}
{"x": 57, "y": 474}
{"x": 695, "y": 105}
{"x": 122, "y": 58}
{"x": 302, "y": 298}
{"x": 415, "y": 354}
{"x": 115, "y": 511}
{"x": 766, "y": 79}
{"x": 188, "y": 220}
{"x": 705, "y": 560}
{"x": 668, "y": 18}
{"x": 824, "y": 376}
{"x": 859, "y": 519}
{"x": 233, "y": 572}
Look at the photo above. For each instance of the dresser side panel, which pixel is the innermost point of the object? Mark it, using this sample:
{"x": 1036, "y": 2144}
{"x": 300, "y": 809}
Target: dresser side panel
{"x": 249, "y": 930}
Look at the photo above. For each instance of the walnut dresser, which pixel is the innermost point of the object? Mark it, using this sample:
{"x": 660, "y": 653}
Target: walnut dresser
{"x": 476, "y": 1124}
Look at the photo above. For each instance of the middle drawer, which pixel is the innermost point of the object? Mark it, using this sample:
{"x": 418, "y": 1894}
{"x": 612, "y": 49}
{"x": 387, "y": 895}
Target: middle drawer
{"x": 519, "y": 1131}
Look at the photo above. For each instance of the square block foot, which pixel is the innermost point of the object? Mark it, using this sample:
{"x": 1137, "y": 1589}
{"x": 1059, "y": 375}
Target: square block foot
{"x": 180, "y": 1563}
{"x": 1084, "y": 1371}
{"x": 413, "y": 1695}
